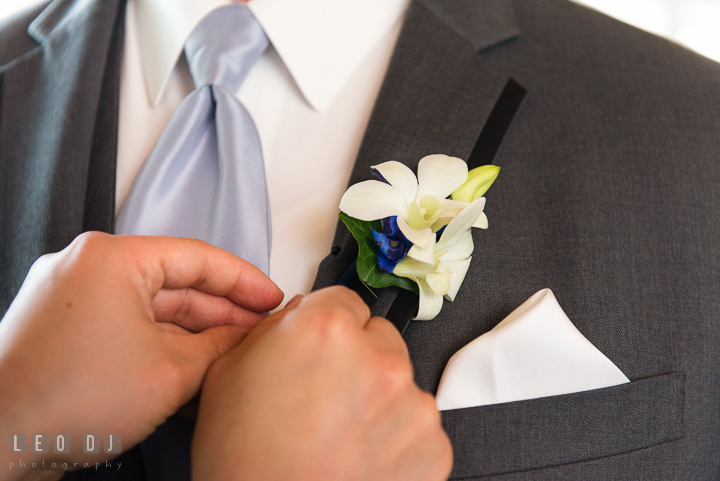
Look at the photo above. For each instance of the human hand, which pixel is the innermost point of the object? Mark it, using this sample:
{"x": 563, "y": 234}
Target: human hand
{"x": 100, "y": 338}
{"x": 319, "y": 391}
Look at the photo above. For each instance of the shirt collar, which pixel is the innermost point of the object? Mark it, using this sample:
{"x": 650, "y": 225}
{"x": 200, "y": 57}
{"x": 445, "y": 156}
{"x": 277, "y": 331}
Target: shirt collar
{"x": 321, "y": 42}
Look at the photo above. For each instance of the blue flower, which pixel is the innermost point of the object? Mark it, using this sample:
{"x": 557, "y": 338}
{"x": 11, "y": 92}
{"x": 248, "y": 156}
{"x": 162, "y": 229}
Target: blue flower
{"x": 440, "y": 232}
{"x": 379, "y": 176}
{"x": 392, "y": 246}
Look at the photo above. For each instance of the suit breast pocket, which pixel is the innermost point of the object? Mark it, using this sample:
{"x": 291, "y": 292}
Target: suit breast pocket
{"x": 552, "y": 431}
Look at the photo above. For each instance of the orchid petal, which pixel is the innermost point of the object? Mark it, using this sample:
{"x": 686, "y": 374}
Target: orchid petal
{"x": 452, "y": 209}
{"x": 372, "y": 200}
{"x": 460, "y": 224}
{"x": 440, "y": 223}
{"x": 460, "y": 250}
{"x": 423, "y": 241}
{"x": 411, "y": 268}
{"x": 454, "y": 206}
{"x": 439, "y": 281}
{"x": 430, "y": 303}
{"x": 458, "y": 270}
{"x": 440, "y": 175}
{"x": 401, "y": 177}
{"x": 431, "y": 208}
{"x": 414, "y": 217}
{"x": 423, "y": 238}
{"x": 478, "y": 182}
{"x": 482, "y": 222}
{"x": 425, "y": 256}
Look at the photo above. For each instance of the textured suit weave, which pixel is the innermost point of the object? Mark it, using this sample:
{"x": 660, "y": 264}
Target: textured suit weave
{"x": 608, "y": 195}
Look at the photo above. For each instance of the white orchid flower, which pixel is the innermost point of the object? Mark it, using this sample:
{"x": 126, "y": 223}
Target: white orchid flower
{"x": 451, "y": 260}
{"x": 420, "y": 203}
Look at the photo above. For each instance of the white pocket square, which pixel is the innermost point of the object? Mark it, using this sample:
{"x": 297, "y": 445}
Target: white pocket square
{"x": 536, "y": 351}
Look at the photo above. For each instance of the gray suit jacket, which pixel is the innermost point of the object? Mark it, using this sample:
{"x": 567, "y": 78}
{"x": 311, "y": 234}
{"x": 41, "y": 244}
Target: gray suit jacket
{"x": 608, "y": 195}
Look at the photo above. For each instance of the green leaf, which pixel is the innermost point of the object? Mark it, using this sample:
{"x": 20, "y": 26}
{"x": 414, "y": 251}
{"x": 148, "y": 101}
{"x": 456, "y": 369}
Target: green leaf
{"x": 478, "y": 182}
{"x": 367, "y": 266}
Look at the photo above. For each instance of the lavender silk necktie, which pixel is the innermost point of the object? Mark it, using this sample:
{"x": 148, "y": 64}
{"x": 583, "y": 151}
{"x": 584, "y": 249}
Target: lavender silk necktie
{"x": 205, "y": 179}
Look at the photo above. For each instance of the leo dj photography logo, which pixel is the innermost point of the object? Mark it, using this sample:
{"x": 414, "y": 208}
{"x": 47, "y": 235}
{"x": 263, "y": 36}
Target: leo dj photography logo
{"x": 40, "y": 443}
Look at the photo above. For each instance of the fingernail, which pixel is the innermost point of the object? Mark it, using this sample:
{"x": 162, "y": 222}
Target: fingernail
{"x": 295, "y": 298}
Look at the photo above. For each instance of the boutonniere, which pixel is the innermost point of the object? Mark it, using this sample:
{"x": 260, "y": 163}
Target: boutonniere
{"x": 414, "y": 232}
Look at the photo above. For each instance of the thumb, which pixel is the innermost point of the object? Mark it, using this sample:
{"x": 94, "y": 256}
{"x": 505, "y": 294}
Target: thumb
{"x": 198, "y": 352}
{"x": 204, "y": 348}
{"x": 189, "y": 356}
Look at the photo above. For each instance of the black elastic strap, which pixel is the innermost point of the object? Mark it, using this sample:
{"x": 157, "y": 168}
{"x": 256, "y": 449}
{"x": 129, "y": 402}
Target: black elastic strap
{"x": 497, "y": 125}
{"x": 486, "y": 148}
{"x": 403, "y": 309}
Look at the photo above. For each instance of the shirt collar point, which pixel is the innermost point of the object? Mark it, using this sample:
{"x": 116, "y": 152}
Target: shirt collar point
{"x": 317, "y": 101}
{"x": 154, "y": 93}
{"x": 157, "y": 69}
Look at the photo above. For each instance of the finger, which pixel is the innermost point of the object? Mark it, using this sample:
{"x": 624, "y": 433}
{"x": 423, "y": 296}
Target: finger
{"x": 202, "y": 349}
{"x": 384, "y": 336}
{"x": 193, "y": 354}
{"x": 292, "y": 305}
{"x": 174, "y": 328}
{"x": 295, "y": 298}
{"x": 336, "y": 298}
{"x": 269, "y": 322}
{"x": 196, "y": 310}
{"x": 175, "y": 263}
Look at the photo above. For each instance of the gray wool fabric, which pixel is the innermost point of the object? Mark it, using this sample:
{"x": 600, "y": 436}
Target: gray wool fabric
{"x": 609, "y": 194}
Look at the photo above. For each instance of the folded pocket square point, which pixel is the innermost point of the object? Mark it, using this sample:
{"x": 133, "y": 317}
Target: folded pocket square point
{"x": 536, "y": 351}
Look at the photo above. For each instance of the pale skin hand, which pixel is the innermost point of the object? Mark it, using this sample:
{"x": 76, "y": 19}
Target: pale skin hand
{"x": 105, "y": 337}
{"x": 319, "y": 391}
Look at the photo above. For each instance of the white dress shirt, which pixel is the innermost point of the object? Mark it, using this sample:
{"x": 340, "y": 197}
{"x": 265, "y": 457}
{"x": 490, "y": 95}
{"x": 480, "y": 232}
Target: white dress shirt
{"x": 310, "y": 95}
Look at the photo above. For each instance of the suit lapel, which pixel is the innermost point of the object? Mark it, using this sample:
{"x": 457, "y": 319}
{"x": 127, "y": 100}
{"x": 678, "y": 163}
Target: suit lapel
{"x": 437, "y": 97}
{"x": 100, "y": 192}
{"x": 50, "y": 102}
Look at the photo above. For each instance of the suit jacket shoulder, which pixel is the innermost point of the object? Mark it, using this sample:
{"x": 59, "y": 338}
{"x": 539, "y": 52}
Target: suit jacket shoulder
{"x": 58, "y": 115}
{"x": 14, "y": 39}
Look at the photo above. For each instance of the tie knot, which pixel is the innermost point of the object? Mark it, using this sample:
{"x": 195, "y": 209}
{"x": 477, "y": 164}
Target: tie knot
{"x": 224, "y": 46}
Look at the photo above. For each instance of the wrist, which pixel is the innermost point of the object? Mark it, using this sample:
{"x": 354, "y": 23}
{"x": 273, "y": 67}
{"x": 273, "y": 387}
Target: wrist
{"x": 18, "y": 461}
